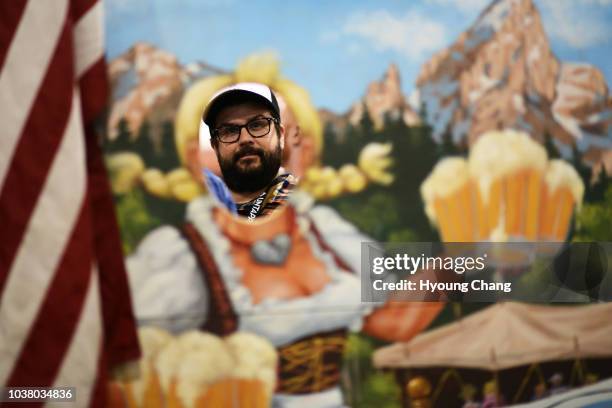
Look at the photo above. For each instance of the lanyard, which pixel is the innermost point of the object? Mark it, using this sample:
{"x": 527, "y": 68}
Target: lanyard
{"x": 258, "y": 206}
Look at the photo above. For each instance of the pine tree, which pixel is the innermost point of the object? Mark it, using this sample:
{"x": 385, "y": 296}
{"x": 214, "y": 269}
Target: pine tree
{"x": 388, "y": 120}
{"x": 600, "y": 186}
{"x": 143, "y": 144}
{"x": 123, "y": 141}
{"x": 447, "y": 147}
{"x": 585, "y": 172}
{"x": 348, "y": 150}
{"x": 168, "y": 158}
{"x": 331, "y": 144}
{"x": 551, "y": 149}
{"x": 394, "y": 129}
{"x": 415, "y": 154}
{"x": 423, "y": 112}
{"x": 366, "y": 124}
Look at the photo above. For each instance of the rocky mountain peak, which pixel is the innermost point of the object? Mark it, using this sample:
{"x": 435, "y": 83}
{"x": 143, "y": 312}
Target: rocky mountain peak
{"x": 502, "y": 73}
{"x": 144, "y": 79}
{"x": 384, "y": 98}
{"x": 147, "y": 83}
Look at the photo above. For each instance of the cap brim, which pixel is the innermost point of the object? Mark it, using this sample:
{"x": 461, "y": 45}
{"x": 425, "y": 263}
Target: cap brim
{"x": 232, "y": 97}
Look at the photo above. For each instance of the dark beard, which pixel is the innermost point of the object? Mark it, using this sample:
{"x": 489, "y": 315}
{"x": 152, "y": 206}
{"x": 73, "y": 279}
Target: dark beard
{"x": 253, "y": 179}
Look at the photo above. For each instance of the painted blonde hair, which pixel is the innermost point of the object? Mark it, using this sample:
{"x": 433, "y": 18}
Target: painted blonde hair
{"x": 263, "y": 68}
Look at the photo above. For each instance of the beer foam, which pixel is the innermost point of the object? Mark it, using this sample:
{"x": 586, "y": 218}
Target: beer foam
{"x": 251, "y": 350}
{"x": 200, "y": 369}
{"x": 561, "y": 174}
{"x": 256, "y": 359}
{"x": 499, "y": 153}
{"x": 170, "y": 357}
{"x": 152, "y": 341}
{"x": 167, "y": 363}
{"x": 448, "y": 176}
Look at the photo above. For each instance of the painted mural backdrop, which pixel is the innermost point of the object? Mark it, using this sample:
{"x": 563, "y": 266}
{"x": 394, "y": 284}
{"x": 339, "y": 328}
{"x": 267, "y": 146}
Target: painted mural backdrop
{"x": 416, "y": 103}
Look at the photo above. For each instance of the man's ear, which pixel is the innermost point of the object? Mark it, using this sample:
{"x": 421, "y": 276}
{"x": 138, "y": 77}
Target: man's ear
{"x": 282, "y": 136}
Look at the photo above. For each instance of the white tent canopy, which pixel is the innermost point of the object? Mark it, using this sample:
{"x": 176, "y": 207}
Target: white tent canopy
{"x": 508, "y": 335}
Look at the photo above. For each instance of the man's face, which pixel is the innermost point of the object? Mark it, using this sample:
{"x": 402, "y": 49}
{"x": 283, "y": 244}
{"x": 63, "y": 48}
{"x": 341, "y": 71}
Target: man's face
{"x": 249, "y": 164}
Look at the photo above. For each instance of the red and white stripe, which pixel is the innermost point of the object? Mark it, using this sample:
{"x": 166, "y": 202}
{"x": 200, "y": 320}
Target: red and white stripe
{"x": 65, "y": 310}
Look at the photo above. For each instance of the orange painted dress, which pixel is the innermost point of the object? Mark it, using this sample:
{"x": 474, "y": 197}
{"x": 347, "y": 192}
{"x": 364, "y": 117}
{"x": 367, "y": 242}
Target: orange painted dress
{"x": 303, "y": 305}
{"x": 291, "y": 277}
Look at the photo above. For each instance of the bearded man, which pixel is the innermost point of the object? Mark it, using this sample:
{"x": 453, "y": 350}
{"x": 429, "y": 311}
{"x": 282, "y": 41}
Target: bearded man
{"x": 248, "y": 138}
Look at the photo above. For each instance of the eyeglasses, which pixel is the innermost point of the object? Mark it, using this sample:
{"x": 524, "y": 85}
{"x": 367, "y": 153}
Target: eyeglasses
{"x": 258, "y": 127}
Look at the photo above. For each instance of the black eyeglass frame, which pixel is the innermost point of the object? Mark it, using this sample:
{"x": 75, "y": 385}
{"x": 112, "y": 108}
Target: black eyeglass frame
{"x": 215, "y": 132}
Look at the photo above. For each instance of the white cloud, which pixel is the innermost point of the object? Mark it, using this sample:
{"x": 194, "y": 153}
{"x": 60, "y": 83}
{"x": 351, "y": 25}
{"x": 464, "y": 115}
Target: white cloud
{"x": 467, "y": 6}
{"x": 479, "y": 5}
{"x": 578, "y": 23}
{"x": 354, "y": 48}
{"x": 328, "y": 37}
{"x": 411, "y": 34}
{"x": 599, "y": 2}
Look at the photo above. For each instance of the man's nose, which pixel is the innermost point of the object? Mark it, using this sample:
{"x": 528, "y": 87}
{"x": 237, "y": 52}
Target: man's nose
{"x": 244, "y": 137}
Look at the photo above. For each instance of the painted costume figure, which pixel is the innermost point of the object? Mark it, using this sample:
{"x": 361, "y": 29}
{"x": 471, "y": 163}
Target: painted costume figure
{"x": 291, "y": 277}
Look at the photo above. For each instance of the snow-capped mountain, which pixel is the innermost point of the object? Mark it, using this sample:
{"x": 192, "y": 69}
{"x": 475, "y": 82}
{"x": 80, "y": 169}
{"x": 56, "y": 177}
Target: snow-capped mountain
{"x": 147, "y": 83}
{"x": 501, "y": 73}
{"x": 384, "y": 98}
{"x": 381, "y": 99}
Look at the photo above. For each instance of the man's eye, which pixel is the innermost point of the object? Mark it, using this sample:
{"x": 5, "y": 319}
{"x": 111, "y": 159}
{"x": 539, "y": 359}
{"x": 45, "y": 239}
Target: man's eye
{"x": 258, "y": 124}
{"x": 226, "y": 131}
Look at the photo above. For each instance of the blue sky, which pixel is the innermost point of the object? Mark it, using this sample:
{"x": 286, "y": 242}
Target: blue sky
{"x": 335, "y": 48}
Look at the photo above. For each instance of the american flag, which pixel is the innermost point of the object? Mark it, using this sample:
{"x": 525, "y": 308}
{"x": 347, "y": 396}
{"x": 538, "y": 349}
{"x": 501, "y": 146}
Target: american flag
{"x": 65, "y": 308}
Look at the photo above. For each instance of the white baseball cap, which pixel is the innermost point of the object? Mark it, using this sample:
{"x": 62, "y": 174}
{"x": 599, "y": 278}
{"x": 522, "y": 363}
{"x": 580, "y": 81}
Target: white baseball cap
{"x": 235, "y": 94}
